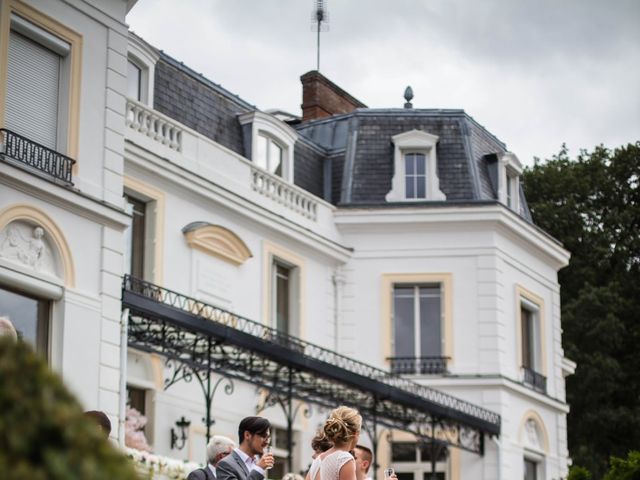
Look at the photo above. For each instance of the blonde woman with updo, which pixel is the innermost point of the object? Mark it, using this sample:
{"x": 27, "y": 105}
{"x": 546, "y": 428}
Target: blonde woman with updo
{"x": 342, "y": 428}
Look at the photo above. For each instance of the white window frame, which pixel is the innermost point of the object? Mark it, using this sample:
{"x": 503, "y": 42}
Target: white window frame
{"x": 293, "y": 295}
{"x": 276, "y": 130}
{"x": 268, "y": 160}
{"x": 535, "y": 304}
{"x": 154, "y": 226}
{"x": 419, "y": 467}
{"x": 272, "y": 254}
{"x": 55, "y": 36}
{"x": 417, "y": 327}
{"x": 534, "y": 310}
{"x": 61, "y": 49}
{"x": 415, "y": 141}
{"x": 145, "y": 58}
{"x": 510, "y": 170}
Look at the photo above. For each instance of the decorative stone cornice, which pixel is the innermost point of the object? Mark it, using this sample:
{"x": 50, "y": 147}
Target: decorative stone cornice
{"x": 217, "y": 241}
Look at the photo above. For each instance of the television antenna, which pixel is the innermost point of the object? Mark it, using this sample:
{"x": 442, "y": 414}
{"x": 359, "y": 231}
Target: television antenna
{"x": 319, "y": 23}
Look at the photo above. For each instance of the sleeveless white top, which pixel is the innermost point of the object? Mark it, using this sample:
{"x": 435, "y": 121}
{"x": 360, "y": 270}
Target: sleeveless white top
{"x": 331, "y": 465}
{"x": 315, "y": 467}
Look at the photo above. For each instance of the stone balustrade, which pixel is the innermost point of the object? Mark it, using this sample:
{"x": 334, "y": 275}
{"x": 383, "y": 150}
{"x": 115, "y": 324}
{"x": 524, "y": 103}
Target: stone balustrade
{"x": 154, "y": 125}
{"x": 284, "y": 193}
{"x": 205, "y": 157}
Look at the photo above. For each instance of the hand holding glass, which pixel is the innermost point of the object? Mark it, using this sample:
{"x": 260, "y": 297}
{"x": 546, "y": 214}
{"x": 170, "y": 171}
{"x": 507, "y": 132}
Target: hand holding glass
{"x": 388, "y": 472}
{"x": 268, "y": 451}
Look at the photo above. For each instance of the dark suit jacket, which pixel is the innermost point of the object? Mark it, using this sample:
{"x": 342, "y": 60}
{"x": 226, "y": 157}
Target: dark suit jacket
{"x": 232, "y": 467}
{"x": 202, "y": 474}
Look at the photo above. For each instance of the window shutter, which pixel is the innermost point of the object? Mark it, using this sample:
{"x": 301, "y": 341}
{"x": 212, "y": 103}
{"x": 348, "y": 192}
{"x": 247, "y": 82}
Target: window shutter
{"x": 33, "y": 78}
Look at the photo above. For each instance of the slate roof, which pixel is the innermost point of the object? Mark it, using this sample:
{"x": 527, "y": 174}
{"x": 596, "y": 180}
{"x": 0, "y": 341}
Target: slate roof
{"x": 199, "y": 103}
{"x": 345, "y": 159}
{"x": 360, "y": 151}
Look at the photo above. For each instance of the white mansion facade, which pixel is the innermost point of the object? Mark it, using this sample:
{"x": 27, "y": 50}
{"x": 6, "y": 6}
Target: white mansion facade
{"x": 370, "y": 252}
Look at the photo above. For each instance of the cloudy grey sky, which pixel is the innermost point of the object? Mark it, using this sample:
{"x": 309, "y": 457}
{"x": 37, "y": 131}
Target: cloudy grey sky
{"x": 536, "y": 73}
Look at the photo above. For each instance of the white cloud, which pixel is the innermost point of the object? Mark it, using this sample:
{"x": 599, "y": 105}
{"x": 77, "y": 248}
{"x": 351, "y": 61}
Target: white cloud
{"x": 535, "y": 73}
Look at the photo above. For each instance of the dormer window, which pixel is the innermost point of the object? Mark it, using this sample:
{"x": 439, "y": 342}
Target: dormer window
{"x": 269, "y": 143}
{"x": 134, "y": 77}
{"x": 415, "y": 170}
{"x": 269, "y": 155}
{"x": 509, "y": 173}
{"x": 415, "y": 176}
{"x": 141, "y": 61}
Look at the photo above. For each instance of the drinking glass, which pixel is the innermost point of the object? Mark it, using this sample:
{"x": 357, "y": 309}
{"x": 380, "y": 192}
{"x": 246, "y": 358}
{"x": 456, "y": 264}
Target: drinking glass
{"x": 268, "y": 450}
{"x": 388, "y": 472}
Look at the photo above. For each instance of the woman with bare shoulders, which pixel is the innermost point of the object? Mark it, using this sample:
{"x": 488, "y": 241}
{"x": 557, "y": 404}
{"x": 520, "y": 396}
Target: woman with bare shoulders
{"x": 319, "y": 444}
{"x": 342, "y": 429}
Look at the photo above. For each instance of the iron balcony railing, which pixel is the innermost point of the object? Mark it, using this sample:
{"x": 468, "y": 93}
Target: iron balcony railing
{"x": 418, "y": 365}
{"x": 535, "y": 380}
{"x": 19, "y": 150}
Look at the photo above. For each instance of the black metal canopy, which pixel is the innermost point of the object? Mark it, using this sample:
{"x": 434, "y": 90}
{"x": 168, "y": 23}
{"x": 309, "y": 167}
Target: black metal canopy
{"x": 201, "y": 338}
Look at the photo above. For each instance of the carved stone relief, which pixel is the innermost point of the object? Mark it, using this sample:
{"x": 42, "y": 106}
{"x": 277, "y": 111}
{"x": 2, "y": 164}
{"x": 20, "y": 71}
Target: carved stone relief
{"x": 532, "y": 435}
{"x": 29, "y": 245}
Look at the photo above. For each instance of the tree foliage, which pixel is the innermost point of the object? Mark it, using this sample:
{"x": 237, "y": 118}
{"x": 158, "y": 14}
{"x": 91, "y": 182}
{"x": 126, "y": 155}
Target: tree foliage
{"x": 43, "y": 432}
{"x": 591, "y": 204}
{"x": 625, "y": 468}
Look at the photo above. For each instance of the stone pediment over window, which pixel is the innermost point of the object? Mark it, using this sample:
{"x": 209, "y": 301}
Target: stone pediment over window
{"x": 217, "y": 241}
{"x": 415, "y": 176}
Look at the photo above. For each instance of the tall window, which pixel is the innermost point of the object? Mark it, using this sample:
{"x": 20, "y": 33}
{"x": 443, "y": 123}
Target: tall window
{"x": 37, "y": 80}
{"x": 528, "y": 338}
{"x": 531, "y": 345}
{"x": 512, "y": 191}
{"x": 135, "y": 253}
{"x": 282, "y": 296}
{"x": 137, "y": 398}
{"x": 269, "y": 155}
{"x": 29, "y": 316}
{"x": 530, "y": 470}
{"x": 413, "y": 461}
{"x": 415, "y": 175}
{"x": 417, "y": 320}
{"x": 134, "y": 81}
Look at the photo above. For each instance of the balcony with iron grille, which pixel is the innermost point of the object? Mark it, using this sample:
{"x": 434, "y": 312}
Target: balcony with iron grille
{"x": 533, "y": 379}
{"x": 418, "y": 365}
{"x": 24, "y": 153}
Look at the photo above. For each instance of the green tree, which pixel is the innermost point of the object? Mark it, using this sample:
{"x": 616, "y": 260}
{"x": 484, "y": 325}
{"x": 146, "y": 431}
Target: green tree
{"x": 625, "y": 468}
{"x": 43, "y": 433}
{"x": 591, "y": 204}
{"x": 579, "y": 473}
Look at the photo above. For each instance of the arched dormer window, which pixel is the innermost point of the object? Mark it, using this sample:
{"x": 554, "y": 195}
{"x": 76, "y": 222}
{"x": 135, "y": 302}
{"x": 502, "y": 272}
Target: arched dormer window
{"x": 269, "y": 143}
{"x": 269, "y": 154}
{"x": 415, "y": 175}
{"x": 141, "y": 61}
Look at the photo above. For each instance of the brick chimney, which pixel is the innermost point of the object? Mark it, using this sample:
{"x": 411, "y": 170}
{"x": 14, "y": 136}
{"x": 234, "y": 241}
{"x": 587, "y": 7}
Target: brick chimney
{"x": 323, "y": 98}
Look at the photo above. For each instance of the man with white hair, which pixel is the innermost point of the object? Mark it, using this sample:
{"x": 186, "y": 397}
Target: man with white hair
{"x": 218, "y": 448}
{"x": 7, "y": 328}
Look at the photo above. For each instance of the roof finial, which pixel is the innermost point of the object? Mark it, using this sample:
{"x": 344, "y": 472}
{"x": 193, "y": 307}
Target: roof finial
{"x": 408, "y": 95}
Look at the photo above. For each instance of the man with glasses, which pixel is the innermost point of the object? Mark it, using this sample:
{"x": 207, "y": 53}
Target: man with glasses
{"x": 218, "y": 448}
{"x": 249, "y": 461}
